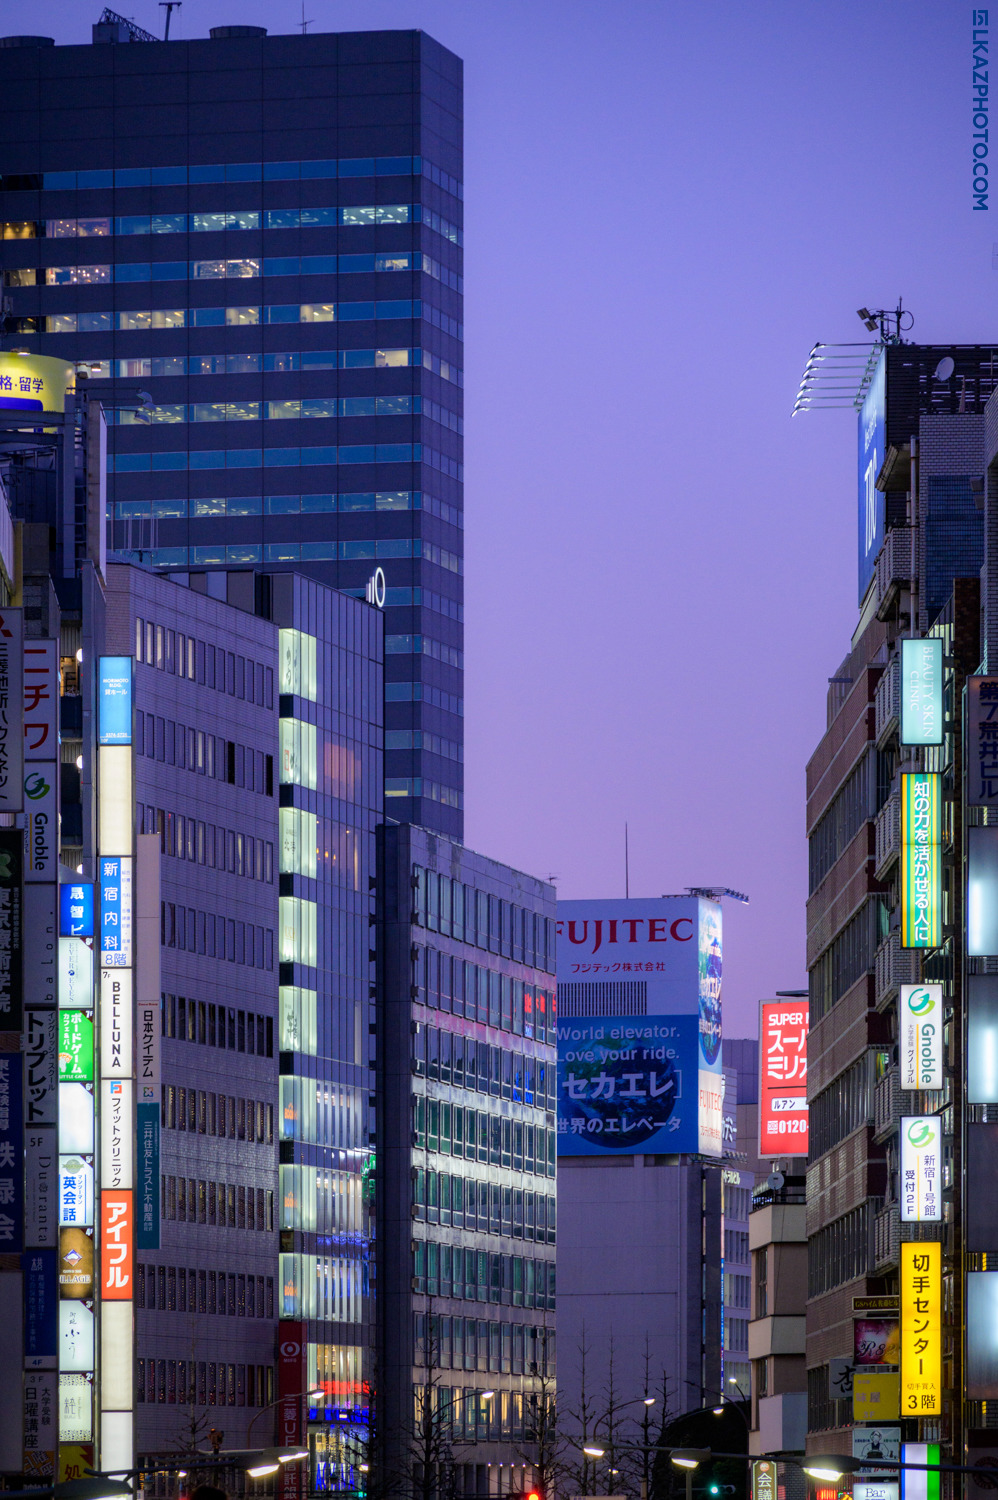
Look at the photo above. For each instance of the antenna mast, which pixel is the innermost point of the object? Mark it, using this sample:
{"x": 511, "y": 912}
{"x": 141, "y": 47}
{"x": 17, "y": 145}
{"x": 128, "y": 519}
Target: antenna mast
{"x": 169, "y": 6}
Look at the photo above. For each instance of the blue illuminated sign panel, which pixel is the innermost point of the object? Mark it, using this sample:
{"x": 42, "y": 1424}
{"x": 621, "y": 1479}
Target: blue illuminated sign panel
{"x": 628, "y": 1083}
{"x": 115, "y": 700}
{"x": 116, "y": 913}
{"x": 76, "y": 910}
{"x": 872, "y": 449}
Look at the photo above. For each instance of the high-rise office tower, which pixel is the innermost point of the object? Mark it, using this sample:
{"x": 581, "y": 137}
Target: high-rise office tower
{"x": 466, "y": 1164}
{"x": 264, "y": 235}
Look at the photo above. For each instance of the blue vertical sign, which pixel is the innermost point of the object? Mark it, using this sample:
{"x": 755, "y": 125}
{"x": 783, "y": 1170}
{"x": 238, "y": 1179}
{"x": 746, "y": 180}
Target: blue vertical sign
{"x": 114, "y": 691}
{"x": 11, "y": 1154}
{"x": 116, "y": 912}
{"x": 76, "y": 910}
{"x": 147, "y": 1227}
{"x": 872, "y": 450}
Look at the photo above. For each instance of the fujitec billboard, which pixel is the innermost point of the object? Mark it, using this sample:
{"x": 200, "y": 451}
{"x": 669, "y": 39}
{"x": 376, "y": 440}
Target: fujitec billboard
{"x": 639, "y": 1026}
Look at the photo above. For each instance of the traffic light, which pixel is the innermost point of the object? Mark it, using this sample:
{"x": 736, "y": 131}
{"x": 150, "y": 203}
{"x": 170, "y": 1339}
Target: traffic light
{"x": 534, "y": 1494}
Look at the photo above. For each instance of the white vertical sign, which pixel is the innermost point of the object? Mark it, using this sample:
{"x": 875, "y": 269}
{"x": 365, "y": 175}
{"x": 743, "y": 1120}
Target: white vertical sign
{"x": 116, "y": 1023}
{"x": 921, "y": 1169}
{"x": 117, "y": 1135}
{"x": 921, "y": 1036}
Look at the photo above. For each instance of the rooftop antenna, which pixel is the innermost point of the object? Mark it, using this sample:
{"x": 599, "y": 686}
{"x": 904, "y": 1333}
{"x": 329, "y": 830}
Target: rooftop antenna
{"x": 304, "y": 24}
{"x": 169, "y": 6}
{"x": 891, "y": 323}
{"x": 627, "y": 867}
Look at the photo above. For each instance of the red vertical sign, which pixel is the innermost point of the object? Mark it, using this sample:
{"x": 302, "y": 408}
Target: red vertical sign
{"x": 117, "y": 1241}
{"x": 292, "y": 1375}
{"x": 783, "y": 1114}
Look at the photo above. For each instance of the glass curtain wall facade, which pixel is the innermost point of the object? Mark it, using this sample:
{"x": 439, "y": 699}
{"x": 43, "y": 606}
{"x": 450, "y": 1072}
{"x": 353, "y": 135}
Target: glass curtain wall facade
{"x": 466, "y": 1166}
{"x": 330, "y": 774}
{"x": 274, "y": 255}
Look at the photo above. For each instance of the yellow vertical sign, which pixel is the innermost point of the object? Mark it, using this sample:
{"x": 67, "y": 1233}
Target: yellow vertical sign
{"x": 921, "y": 1329}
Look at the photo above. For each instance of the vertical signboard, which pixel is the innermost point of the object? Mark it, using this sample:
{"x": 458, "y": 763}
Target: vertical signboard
{"x": 114, "y": 688}
{"x": 41, "y": 1073}
{"x": 982, "y": 891}
{"x": 117, "y": 1228}
{"x": 981, "y": 783}
{"x": 41, "y": 1187}
{"x": 783, "y": 1115}
{"x": 11, "y": 1179}
{"x": 41, "y": 1425}
{"x": 116, "y": 1048}
{"x": 639, "y": 1027}
{"x": 922, "y": 1483}
{"x": 40, "y": 1301}
{"x": 982, "y": 1039}
{"x": 764, "y": 1479}
{"x": 115, "y": 942}
{"x": 116, "y": 912}
{"x": 982, "y": 1335}
{"x": 117, "y": 1139}
{"x": 11, "y": 920}
{"x": 921, "y": 871}
{"x": 41, "y": 760}
{"x": 920, "y": 1026}
{"x": 76, "y": 910}
{"x": 148, "y": 1030}
{"x": 76, "y": 974}
{"x": 710, "y": 1099}
{"x": 292, "y": 1380}
{"x": 11, "y": 716}
{"x": 921, "y": 1328}
{"x": 872, "y": 450}
{"x": 41, "y": 963}
{"x": 922, "y": 692}
{"x": 921, "y": 1169}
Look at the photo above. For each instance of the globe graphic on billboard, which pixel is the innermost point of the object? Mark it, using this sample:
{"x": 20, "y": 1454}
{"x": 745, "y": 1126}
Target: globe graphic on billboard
{"x": 621, "y": 1099}
{"x": 709, "y": 981}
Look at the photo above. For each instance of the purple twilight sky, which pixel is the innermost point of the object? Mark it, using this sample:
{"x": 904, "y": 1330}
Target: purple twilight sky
{"x": 666, "y": 206}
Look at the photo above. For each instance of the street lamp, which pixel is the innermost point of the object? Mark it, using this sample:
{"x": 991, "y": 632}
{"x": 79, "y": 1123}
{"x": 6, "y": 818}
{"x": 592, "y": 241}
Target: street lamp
{"x": 591, "y": 1451}
{"x": 689, "y": 1459}
{"x": 271, "y": 1459}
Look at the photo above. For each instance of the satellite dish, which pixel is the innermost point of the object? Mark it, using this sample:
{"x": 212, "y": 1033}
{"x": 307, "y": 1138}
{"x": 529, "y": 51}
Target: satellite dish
{"x": 775, "y": 1181}
{"x": 944, "y": 369}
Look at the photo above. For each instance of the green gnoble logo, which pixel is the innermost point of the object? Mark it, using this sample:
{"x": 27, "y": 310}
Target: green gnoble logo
{"x": 920, "y": 1003}
{"x": 35, "y": 786}
{"x": 921, "y": 1135}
